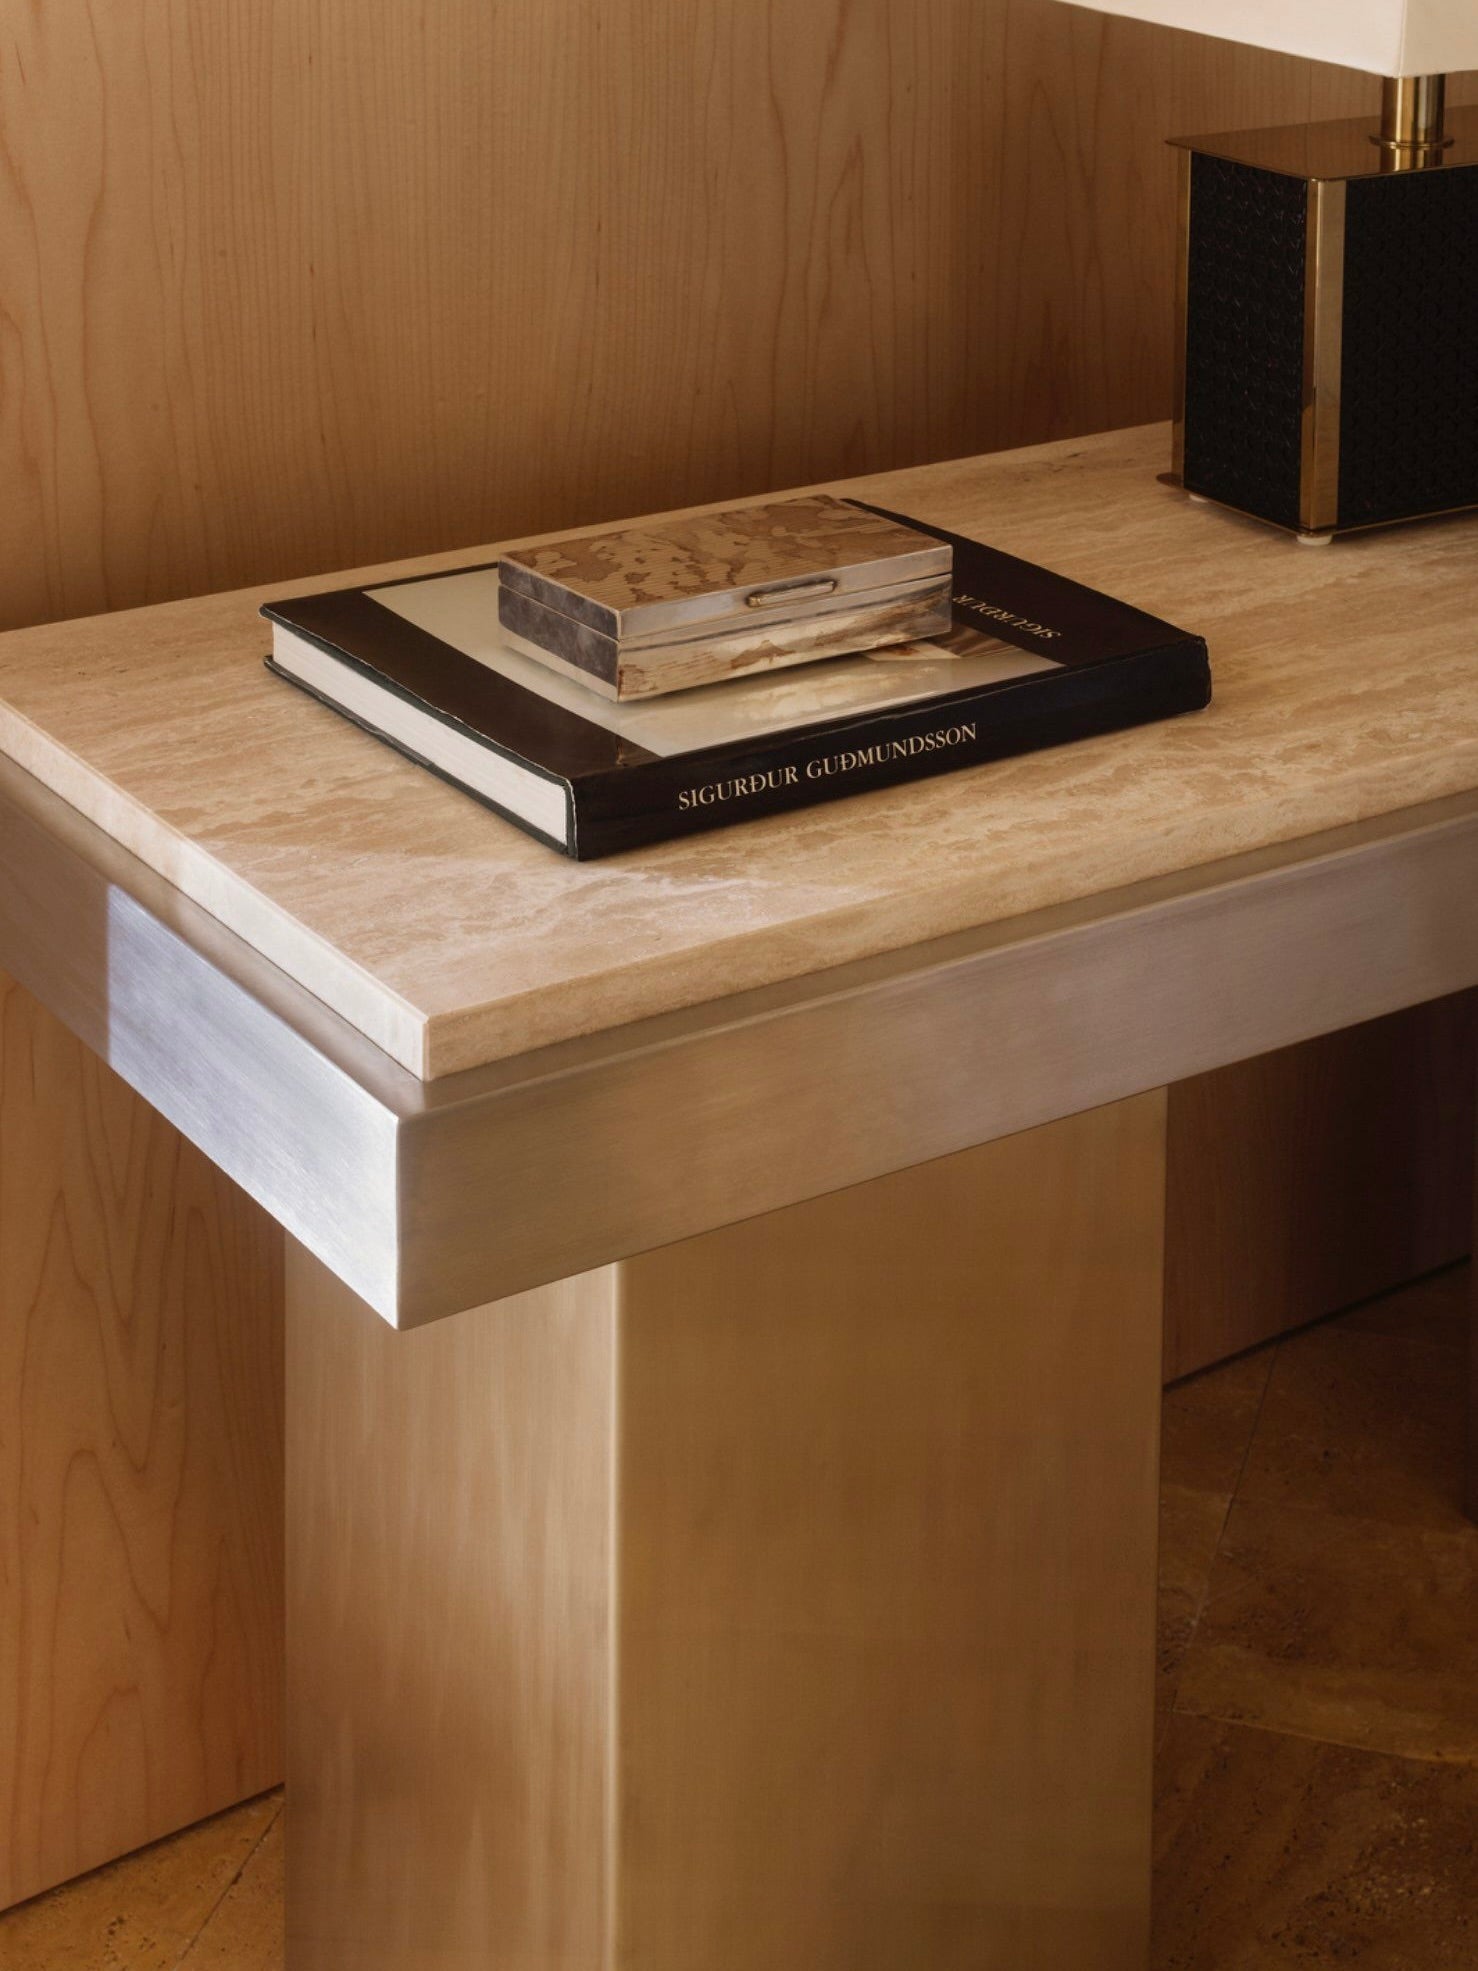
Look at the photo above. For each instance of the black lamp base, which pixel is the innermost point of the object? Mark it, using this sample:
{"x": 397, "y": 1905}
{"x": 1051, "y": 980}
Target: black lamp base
{"x": 1328, "y": 336}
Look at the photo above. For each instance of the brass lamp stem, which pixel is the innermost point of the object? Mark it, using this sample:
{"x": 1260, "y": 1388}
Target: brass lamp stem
{"x": 1411, "y": 112}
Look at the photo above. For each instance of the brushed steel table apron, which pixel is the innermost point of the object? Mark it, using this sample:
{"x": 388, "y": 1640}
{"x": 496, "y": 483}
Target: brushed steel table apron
{"x": 427, "y": 1198}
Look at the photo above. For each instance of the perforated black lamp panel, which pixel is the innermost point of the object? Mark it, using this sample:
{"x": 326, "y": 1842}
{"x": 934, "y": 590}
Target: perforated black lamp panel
{"x": 1408, "y": 429}
{"x": 1244, "y": 336}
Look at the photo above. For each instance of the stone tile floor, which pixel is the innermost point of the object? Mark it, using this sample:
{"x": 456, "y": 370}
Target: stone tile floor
{"x": 209, "y": 1899}
{"x": 1317, "y": 1776}
{"x": 1317, "y": 1766}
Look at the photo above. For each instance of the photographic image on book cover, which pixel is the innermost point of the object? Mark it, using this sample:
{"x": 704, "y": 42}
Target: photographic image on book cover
{"x": 1033, "y": 659}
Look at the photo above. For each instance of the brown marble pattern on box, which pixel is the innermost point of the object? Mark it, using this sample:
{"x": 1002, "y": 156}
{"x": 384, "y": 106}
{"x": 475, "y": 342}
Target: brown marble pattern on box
{"x": 710, "y": 660}
{"x": 632, "y": 568}
{"x": 1345, "y": 685}
{"x": 734, "y": 649}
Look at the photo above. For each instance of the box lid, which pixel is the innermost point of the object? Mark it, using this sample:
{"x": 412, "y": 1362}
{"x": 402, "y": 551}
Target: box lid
{"x": 782, "y": 561}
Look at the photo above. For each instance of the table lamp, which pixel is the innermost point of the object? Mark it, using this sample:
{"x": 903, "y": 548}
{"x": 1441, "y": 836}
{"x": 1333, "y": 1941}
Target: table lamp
{"x": 1327, "y": 341}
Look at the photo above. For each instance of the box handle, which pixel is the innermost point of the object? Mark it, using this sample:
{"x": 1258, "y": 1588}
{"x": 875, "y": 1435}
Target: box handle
{"x": 789, "y": 592}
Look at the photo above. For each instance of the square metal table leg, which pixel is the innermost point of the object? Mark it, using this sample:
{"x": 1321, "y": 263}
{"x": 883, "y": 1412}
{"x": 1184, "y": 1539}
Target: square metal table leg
{"x": 783, "y": 1597}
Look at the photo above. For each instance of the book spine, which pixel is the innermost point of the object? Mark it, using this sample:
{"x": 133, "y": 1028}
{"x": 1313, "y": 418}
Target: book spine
{"x": 683, "y": 796}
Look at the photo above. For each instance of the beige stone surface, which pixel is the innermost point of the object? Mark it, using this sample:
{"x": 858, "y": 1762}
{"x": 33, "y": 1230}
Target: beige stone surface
{"x": 244, "y": 1931}
{"x": 146, "y": 1911}
{"x": 1346, "y": 686}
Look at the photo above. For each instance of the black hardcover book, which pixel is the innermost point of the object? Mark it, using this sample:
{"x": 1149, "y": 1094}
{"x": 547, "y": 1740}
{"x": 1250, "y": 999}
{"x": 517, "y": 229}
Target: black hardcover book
{"x": 1033, "y": 660}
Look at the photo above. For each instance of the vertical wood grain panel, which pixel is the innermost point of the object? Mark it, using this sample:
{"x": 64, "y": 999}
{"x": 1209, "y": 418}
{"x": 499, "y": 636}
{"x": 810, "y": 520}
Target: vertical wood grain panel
{"x": 140, "y": 1469}
{"x": 287, "y": 288}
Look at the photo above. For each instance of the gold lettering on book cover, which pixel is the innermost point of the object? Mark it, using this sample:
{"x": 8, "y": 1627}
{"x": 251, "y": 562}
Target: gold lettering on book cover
{"x": 882, "y": 752}
{"x": 978, "y": 606}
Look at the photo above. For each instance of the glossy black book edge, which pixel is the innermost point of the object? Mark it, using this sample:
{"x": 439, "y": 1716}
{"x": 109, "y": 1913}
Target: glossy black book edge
{"x": 1046, "y": 708}
{"x": 1086, "y": 625}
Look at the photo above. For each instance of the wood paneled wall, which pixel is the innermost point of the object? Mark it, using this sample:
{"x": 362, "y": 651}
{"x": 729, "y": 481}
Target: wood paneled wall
{"x": 1316, "y": 1176}
{"x": 141, "y": 1428}
{"x": 288, "y": 288}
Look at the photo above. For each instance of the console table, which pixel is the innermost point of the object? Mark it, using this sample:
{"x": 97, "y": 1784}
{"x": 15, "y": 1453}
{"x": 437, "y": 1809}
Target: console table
{"x": 743, "y": 1554}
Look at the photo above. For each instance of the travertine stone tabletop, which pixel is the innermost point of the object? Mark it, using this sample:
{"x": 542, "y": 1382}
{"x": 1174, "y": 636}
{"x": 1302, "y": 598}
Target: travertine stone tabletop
{"x": 1346, "y": 683}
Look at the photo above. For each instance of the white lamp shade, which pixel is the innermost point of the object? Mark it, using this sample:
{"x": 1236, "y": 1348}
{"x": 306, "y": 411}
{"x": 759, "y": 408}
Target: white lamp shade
{"x": 1387, "y": 37}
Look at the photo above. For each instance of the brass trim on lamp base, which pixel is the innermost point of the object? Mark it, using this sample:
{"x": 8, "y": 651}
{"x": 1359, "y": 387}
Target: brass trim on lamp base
{"x": 1182, "y": 283}
{"x": 1316, "y": 537}
{"x": 1324, "y": 318}
{"x": 1324, "y": 277}
{"x": 1412, "y": 113}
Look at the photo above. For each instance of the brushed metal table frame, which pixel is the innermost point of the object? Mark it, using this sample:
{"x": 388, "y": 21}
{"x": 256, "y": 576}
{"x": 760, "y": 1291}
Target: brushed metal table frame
{"x": 427, "y": 1198}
